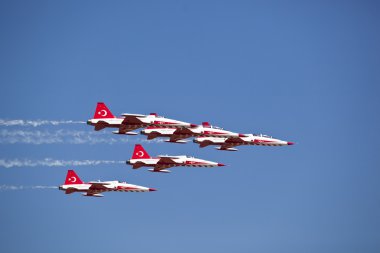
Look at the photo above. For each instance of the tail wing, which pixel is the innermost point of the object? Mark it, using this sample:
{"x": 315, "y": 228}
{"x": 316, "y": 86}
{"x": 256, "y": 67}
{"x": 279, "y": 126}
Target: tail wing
{"x": 205, "y": 143}
{"x": 72, "y": 178}
{"x": 102, "y": 111}
{"x": 140, "y": 153}
{"x": 206, "y": 124}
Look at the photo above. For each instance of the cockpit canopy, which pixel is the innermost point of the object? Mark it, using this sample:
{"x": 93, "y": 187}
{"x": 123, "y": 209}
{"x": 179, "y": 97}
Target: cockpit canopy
{"x": 262, "y": 135}
{"x": 155, "y": 115}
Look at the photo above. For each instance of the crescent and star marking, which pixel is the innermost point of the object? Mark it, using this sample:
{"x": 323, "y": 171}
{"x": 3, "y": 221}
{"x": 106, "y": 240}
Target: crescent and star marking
{"x": 140, "y": 154}
{"x": 102, "y": 113}
{"x": 72, "y": 179}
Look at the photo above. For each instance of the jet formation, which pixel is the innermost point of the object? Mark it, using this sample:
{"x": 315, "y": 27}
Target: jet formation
{"x": 161, "y": 163}
{"x": 155, "y": 126}
{"x": 177, "y": 131}
{"x": 94, "y": 188}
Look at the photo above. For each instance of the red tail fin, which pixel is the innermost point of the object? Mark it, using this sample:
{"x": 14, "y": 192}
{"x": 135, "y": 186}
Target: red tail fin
{"x": 140, "y": 153}
{"x": 72, "y": 178}
{"x": 206, "y": 124}
{"x": 102, "y": 111}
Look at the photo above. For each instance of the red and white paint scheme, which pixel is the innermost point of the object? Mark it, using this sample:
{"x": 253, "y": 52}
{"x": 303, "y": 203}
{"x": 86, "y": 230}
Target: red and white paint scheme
{"x": 231, "y": 142}
{"x": 103, "y": 118}
{"x": 161, "y": 163}
{"x": 176, "y": 135}
{"x": 94, "y": 188}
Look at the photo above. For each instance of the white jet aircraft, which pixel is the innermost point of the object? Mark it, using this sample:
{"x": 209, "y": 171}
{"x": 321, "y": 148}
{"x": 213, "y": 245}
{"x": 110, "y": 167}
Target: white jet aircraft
{"x": 94, "y": 188}
{"x": 178, "y": 134}
{"x": 141, "y": 158}
{"x": 103, "y": 118}
{"x": 229, "y": 143}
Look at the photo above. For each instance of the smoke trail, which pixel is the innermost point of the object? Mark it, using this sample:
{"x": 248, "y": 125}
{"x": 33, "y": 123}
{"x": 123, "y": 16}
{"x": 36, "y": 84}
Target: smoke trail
{"x": 36, "y": 123}
{"x": 63, "y": 136}
{"x": 48, "y": 162}
{"x": 22, "y": 187}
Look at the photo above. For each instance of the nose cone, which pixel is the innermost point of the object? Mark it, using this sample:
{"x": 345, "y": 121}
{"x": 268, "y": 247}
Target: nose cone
{"x": 290, "y": 143}
{"x": 152, "y": 190}
{"x": 221, "y": 164}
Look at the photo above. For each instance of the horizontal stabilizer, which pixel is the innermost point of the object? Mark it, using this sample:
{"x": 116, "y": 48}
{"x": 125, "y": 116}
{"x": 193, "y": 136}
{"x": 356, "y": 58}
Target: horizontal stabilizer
{"x": 70, "y": 190}
{"x": 126, "y": 133}
{"x": 138, "y": 165}
{"x": 163, "y": 171}
{"x": 227, "y": 149}
{"x": 93, "y": 195}
{"x": 131, "y": 133}
{"x": 100, "y": 125}
{"x": 177, "y": 141}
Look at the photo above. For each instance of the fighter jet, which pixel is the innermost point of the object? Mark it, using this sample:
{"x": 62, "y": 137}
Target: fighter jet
{"x": 103, "y": 118}
{"x": 229, "y": 143}
{"x": 177, "y": 135}
{"x": 94, "y": 188}
{"x": 141, "y": 158}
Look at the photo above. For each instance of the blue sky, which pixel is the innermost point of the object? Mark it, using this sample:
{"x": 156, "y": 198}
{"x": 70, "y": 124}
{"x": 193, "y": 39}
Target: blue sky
{"x": 303, "y": 71}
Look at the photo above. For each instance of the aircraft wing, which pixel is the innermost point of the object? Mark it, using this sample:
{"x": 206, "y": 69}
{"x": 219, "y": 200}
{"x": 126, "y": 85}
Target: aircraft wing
{"x": 95, "y": 188}
{"x": 181, "y": 133}
{"x": 232, "y": 142}
{"x": 164, "y": 163}
{"x": 205, "y": 143}
{"x": 175, "y": 138}
{"x": 98, "y": 186}
{"x": 123, "y": 128}
{"x": 131, "y": 119}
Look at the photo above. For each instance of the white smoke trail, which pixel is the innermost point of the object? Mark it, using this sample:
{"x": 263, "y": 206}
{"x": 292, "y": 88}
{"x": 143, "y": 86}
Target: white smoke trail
{"x": 22, "y": 187}
{"x": 36, "y": 123}
{"x": 48, "y": 162}
{"x": 64, "y": 136}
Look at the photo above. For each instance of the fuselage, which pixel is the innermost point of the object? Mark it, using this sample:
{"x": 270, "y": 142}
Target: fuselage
{"x": 249, "y": 139}
{"x": 189, "y": 132}
{"x": 141, "y": 121}
{"x": 107, "y": 185}
{"x": 162, "y": 121}
{"x": 181, "y": 160}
